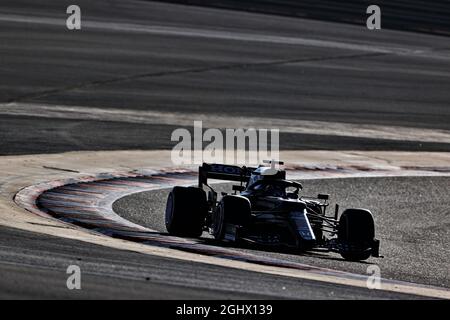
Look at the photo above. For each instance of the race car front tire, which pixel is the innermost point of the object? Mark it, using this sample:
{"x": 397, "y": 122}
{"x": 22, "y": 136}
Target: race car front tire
{"x": 186, "y": 210}
{"x": 232, "y": 209}
{"x": 356, "y": 234}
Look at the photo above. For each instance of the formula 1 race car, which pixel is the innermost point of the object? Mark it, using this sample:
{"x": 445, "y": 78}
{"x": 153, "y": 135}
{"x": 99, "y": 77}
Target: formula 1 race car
{"x": 268, "y": 211}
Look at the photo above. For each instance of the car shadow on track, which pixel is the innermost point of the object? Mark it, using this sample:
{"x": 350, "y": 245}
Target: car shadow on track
{"x": 265, "y": 251}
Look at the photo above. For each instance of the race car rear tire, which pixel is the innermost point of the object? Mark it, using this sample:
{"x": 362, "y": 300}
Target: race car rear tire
{"x": 356, "y": 234}
{"x": 186, "y": 210}
{"x": 232, "y": 209}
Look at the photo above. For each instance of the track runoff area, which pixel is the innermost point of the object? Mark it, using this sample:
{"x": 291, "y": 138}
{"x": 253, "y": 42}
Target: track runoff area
{"x": 71, "y": 195}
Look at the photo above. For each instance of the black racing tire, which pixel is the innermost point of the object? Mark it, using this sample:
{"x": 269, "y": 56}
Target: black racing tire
{"x": 232, "y": 209}
{"x": 356, "y": 234}
{"x": 186, "y": 210}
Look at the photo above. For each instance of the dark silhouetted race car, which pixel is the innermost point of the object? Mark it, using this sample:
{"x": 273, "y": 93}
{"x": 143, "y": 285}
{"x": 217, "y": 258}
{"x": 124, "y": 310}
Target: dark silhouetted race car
{"x": 266, "y": 209}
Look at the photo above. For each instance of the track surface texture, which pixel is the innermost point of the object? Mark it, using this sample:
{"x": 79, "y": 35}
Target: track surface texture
{"x": 413, "y": 238}
{"x": 34, "y": 266}
{"x": 135, "y": 55}
{"x": 144, "y": 56}
{"x": 413, "y": 15}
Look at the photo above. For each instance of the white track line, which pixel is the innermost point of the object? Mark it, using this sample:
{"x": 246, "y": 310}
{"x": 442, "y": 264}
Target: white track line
{"x": 231, "y": 35}
{"x": 396, "y": 133}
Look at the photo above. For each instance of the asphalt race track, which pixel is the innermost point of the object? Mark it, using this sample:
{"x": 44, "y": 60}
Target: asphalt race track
{"x": 144, "y": 56}
{"x": 413, "y": 240}
{"x": 34, "y": 267}
{"x": 390, "y": 78}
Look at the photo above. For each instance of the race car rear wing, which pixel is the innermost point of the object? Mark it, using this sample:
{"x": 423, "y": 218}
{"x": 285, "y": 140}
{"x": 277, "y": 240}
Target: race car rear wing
{"x": 223, "y": 172}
